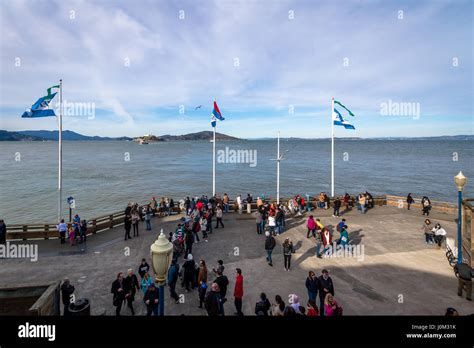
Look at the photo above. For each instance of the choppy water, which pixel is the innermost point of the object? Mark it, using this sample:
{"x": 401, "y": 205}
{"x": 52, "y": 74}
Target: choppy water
{"x": 101, "y": 180}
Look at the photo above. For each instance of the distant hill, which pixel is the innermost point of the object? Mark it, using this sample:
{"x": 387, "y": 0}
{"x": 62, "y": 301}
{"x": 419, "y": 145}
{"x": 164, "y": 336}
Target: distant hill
{"x": 40, "y": 135}
{"x": 15, "y": 136}
{"x": 204, "y": 135}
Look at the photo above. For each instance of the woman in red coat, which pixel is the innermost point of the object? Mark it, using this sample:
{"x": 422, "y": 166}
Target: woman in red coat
{"x": 238, "y": 291}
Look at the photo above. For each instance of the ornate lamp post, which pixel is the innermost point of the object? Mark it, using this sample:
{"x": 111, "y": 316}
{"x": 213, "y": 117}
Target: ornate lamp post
{"x": 161, "y": 255}
{"x": 460, "y": 180}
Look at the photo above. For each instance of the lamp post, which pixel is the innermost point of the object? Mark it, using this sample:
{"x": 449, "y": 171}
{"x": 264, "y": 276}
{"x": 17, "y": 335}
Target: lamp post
{"x": 161, "y": 256}
{"x": 460, "y": 180}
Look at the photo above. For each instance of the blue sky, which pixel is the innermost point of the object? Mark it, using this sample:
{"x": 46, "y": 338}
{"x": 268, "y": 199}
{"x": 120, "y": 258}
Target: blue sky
{"x": 291, "y": 56}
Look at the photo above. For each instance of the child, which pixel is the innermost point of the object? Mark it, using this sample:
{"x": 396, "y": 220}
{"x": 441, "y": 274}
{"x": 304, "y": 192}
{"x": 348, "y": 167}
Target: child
{"x": 148, "y": 218}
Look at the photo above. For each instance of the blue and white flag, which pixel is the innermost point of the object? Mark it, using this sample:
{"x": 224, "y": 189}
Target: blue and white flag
{"x": 339, "y": 120}
{"x": 42, "y": 106}
{"x": 213, "y": 121}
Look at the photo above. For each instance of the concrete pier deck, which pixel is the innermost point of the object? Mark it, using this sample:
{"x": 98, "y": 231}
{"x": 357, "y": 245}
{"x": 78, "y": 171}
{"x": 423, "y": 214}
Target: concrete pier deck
{"x": 399, "y": 274}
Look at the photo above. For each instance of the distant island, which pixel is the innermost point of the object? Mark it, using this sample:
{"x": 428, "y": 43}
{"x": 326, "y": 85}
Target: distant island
{"x": 44, "y": 135}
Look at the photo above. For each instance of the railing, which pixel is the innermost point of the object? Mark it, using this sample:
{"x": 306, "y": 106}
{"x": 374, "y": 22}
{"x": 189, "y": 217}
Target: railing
{"x": 109, "y": 221}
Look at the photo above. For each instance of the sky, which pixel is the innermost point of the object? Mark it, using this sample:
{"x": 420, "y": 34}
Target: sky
{"x": 143, "y": 67}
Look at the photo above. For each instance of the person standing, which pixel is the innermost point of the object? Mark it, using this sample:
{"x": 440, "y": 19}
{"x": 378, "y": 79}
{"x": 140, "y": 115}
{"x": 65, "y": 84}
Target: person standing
{"x": 439, "y": 234}
{"x": 128, "y": 226}
{"x": 72, "y": 236}
{"x": 312, "y": 285}
{"x": 425, "y": 206}
{"x": 143, "y": 268}
{"x": 213, "y": 302}
{"x": 278, "y": 308}
{"x": 325, "y": 287}
{"x": 118, "y": 293}
{"x": 219, "y": 217}
{"x": 326, "y": 237}
{"x": 225, "y": 200}
{"x": 311, "y": 225}
{"x": 62, "y": 229}
{"x": 336, "y": 207}
{"x": 188, "y": 272}
{"x": 269, "y": 246}
{"x": 151, "y": 300}
{"x": 130, "y": 287}
{"x": 271, "y": 224}
{"x": 83, "y": 231}
{"x": 173, "y": 274}
{"x": 427, "y": 230}
{"x": 249, "y": 203}
{"x": 464, "y": 273}
{"x": 238, "y": 291}
{"x": 67, "y": 291}
{"x": 202, "y": 282}
{"x": 135, "y": 221}
{"x": 288, "y": 249}
{"x": 209, "y": 215}
{"x": 223, "y": 282}
{"x": 148, "y": 218}
{"x": 188, "y": 240}
{"x": 410, "y": 200}
{"x": 258, "y": 221}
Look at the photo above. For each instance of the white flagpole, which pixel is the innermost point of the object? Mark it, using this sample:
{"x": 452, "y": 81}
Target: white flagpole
{"x": 332, "y": 147}
{"x": 278, "y": 169}
{"x": 60, "y": 159}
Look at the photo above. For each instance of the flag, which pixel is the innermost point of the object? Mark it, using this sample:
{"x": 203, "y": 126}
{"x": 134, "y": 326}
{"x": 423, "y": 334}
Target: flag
{"x": 41, "y": 107}
{"x": 340, "y": 121}
{"x": 349, "y": 111}
{"x": 216, "y": 112}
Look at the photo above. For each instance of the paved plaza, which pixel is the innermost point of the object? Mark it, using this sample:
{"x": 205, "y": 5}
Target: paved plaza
{"x": 398, "y": 275}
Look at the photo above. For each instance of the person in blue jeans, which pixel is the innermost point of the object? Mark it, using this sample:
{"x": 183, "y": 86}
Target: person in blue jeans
{"x": 148, "y": 218}
{"x": 312, "y": 285}
{"x": 269, "y": 246}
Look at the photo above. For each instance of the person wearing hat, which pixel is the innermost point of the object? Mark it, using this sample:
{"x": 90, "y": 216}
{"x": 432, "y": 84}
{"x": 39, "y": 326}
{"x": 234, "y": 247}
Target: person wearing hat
{"x": 188, "y": 272}
{"x": 151, "y": 300}
{"x": 269, "y": 246}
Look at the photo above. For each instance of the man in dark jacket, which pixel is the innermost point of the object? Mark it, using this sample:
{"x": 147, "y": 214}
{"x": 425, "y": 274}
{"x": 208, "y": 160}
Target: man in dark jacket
{"x": 66, "y": 292}
{"x": 151, "y": 300}
{"x": 188, "y": 272}
{"x": 464, "y": 273}
{"x": 173, "y": 273}
{"x": 223, "y": 282}
{"x": 128, "y": 226}
{"x": 325, "y": 287}
{"x": 143, "y": 268}
{"x": 119, "y": 294}
{"x": 269, "y": 246}
{"x": 130, "y": 287}
{"x": 213, "y": 302}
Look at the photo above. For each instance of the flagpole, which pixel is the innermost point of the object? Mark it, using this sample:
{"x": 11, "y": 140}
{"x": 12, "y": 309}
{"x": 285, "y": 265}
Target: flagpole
{"x": 278, "y": 169}
{"x": 60, "y": 159}
{"x": 332, "y": 147}
{"x": 214, "y": 158}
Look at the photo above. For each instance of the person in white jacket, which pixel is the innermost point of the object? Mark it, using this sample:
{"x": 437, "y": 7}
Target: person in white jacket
{"x": 439, "y": 234}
